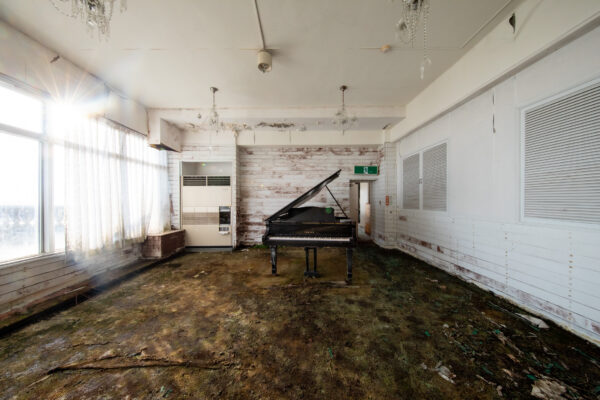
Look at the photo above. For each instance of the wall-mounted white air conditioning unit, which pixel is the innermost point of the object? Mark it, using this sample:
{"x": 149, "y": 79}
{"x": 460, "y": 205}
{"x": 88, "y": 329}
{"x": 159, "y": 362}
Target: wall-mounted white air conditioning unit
{"x": 206, "y": 204}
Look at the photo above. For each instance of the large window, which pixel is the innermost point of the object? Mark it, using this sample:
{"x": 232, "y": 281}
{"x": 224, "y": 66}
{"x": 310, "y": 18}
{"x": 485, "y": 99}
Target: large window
{"x": 561, "y": 175}
{"x": 424, "y": 180}
{"x": 28, "y": 178}
{"x": 115, "y": 185}
{"x": 19, "y": 197}
{"x": 70, "y": 182}
{"x": 20, "y": 110}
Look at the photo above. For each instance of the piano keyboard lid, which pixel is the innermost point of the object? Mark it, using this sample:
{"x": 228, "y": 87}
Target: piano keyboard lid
{"x": 306, "y": 196}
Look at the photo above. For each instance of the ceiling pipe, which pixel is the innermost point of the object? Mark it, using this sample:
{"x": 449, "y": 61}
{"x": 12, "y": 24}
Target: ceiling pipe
{"x": 262, "y": 35}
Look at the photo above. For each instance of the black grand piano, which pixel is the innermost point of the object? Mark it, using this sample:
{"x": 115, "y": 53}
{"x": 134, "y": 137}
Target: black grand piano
{"x": 311, "y": 228}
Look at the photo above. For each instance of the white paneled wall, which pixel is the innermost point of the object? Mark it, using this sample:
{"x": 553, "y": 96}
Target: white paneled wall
{"x": 383, "y": 198}
{"x": 389, "y": 165}
{"x": 551, "y": 267}
{"x": 30, "y": 281}
{"x": 377, "y": 200}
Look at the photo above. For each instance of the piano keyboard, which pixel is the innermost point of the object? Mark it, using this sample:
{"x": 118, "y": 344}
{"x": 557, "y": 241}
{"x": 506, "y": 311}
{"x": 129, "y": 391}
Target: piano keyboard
{"x": 311, "y": 238}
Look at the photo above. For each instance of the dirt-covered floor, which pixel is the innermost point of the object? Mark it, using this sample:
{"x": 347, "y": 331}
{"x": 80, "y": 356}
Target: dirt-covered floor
{"x": 218, "y": 325}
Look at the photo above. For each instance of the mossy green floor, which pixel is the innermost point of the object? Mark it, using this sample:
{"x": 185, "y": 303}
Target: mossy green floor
{"x": 218, "y": 325}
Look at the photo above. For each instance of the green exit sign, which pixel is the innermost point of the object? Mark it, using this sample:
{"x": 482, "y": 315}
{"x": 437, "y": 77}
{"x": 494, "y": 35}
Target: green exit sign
{"x": 366, "y": 170}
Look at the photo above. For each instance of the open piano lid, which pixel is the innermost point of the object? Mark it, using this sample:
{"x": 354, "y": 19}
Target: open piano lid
{"x": 306, "y": 196}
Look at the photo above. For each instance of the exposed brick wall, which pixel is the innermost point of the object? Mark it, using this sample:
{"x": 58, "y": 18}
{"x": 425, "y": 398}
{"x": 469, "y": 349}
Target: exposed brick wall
{"x": 272, "y": 176}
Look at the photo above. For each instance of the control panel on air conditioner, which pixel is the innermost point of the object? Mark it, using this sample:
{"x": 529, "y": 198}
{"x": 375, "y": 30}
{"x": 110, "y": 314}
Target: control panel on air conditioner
{"x": 224, "y": 220}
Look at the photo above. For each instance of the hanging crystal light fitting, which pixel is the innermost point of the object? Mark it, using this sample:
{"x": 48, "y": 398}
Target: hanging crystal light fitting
{"x": 341, "y": 118}
{"x": 413, "y": 12}
{"x": 95, "y": 13}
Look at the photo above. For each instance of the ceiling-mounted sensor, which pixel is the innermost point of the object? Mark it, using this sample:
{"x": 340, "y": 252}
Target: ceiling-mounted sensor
{"x": 264, "y": 61}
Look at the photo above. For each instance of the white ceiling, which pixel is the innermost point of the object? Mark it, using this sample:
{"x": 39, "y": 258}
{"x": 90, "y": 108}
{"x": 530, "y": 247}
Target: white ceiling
{"x": 167, "y": 54}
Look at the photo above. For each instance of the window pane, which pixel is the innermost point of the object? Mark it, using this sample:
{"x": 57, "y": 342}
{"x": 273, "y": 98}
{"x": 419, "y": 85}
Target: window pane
{"x": 19, "y": 197}
{"x": 58, "y": 188}
{"x": 21, "y": 111}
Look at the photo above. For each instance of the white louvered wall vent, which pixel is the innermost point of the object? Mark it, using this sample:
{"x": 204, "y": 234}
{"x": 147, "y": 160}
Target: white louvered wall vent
{"x": 434, "y": 178}
{"x": 424, "y": 179}
{"x": 411, "y": 182}
{"x": 562, "y": 158}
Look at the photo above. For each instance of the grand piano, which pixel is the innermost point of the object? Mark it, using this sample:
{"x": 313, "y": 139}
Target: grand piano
{"x": 311, "y": 228}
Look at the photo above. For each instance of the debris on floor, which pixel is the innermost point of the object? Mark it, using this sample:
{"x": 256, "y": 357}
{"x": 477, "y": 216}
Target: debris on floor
{"x": 547, "y": 389}
{"x": 444, "y": 372}
{"x": 222, "y": 327}
{"x": 535, "y": 321}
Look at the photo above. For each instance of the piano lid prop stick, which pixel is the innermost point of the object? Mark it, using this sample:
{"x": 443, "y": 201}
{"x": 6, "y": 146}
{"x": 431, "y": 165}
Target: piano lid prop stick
{"x": 336, "y": 202}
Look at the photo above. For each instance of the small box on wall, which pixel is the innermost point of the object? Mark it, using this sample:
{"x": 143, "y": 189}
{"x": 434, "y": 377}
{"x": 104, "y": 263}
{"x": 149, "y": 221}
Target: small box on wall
{"x": 366, "y": 170}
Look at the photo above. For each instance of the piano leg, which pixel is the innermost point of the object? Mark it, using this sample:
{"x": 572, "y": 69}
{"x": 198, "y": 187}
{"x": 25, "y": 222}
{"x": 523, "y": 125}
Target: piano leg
{"x": 274, "y": 260}
{"x": 349, "y": 263}
{"x": 308, "y": 272}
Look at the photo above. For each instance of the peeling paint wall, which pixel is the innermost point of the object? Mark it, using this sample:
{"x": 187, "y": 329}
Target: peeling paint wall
{"x": 272, "y": 176}
{"x": 551, "y": 268}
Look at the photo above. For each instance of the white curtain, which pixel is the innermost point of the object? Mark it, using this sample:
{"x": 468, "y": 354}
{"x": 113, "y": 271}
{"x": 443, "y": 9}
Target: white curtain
{"x": 116, "y": 185}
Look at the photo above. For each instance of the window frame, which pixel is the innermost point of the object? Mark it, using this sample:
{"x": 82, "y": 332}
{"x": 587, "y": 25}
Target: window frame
{"x": 521, "y": 112}
{"x": 401, "y": 178}
{"x": 46, "y": 245}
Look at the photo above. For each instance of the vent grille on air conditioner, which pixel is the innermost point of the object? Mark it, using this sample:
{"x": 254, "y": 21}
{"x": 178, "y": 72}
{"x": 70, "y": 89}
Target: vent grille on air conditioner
{"x": 218, "y": 181}
{"x": 194, "y": 181}
{"x": 206, "y": 181}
